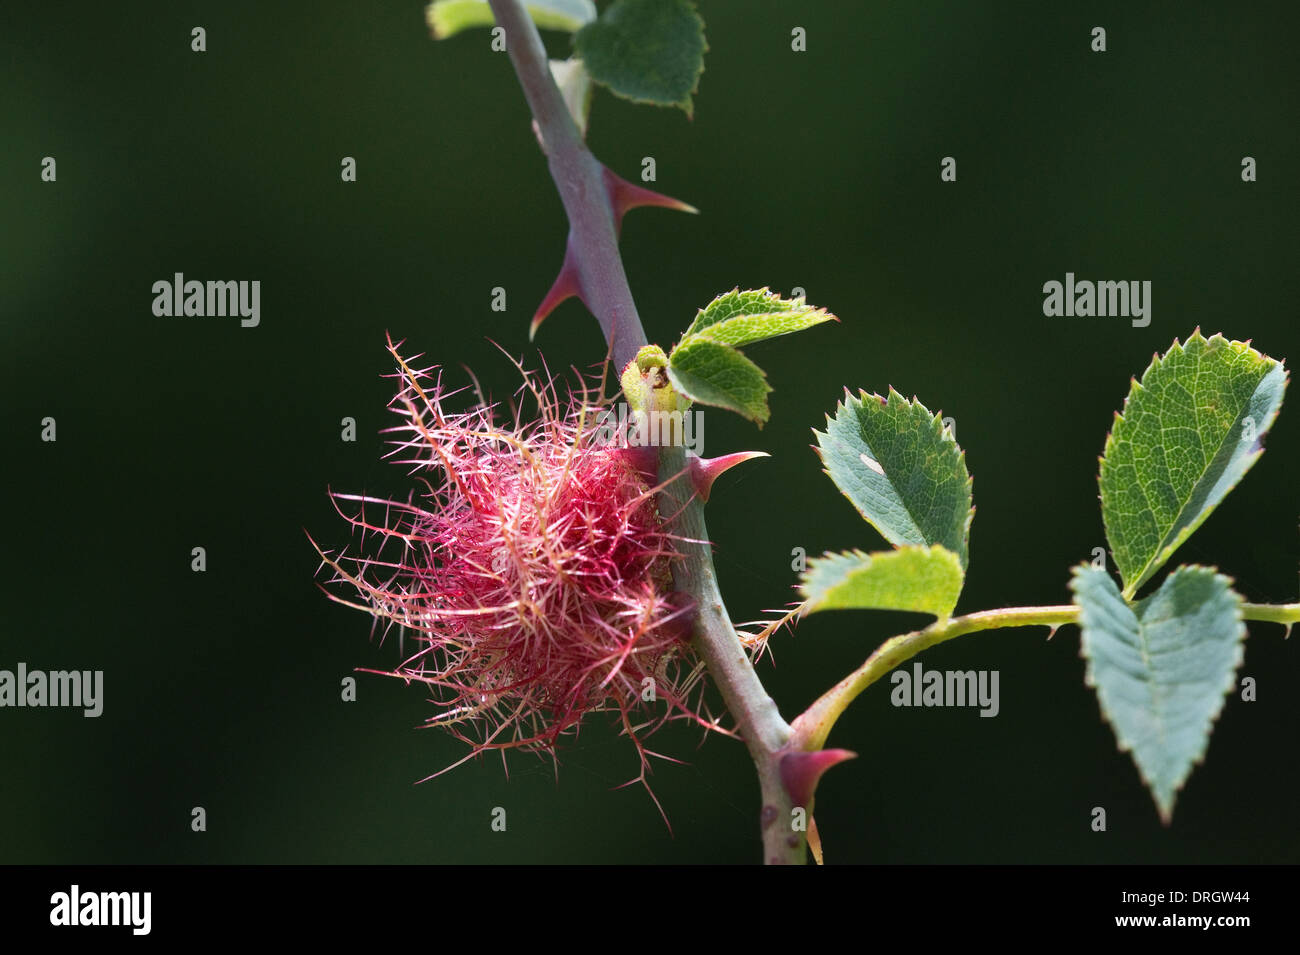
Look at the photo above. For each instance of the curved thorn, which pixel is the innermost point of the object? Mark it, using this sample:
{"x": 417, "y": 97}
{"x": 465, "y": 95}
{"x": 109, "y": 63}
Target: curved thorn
{"x": 704, "y": 471}
{"x": 801, "y": 771}
{"x": 566, "y": 286}
{"x": 624, "y": 195}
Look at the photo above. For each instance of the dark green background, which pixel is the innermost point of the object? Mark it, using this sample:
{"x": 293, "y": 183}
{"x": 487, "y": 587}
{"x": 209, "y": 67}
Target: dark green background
{"x": 819, "y": 170}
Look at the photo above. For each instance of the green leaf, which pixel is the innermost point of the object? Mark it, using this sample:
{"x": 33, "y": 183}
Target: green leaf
{"x": 1161, "y": 667}
{"x": 449, "y": 17}
{"x": 575, "y": 87}
{"x": 1188, "y": 433}
{"x": 647, "y": 51}
{"x": 923, "y": 579}
{"x": 718, "y": 375}
{"x": 901, "y": 469}
{"x": 738, "y": 318}
{"x": 706, "y": 366}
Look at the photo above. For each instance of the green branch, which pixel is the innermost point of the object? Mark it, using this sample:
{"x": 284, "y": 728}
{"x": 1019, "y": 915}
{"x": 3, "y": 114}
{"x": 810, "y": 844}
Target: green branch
{"x": 813, "y": 726}
{"x": 1285, "y": 614}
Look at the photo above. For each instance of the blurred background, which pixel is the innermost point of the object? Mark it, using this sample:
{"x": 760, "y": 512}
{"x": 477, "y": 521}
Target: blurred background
{"x": 816, "y": 169}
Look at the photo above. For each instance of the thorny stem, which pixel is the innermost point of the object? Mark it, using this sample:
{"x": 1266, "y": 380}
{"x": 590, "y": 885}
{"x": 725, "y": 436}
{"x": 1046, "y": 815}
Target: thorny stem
{"x": 578, "y": 177}
{"x": 765, "y": 732}
{"x": 579, "y": 181}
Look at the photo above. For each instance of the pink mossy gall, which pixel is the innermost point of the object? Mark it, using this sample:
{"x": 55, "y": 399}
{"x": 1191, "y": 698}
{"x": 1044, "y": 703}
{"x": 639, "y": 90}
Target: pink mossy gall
{"x": 532, "y": 568}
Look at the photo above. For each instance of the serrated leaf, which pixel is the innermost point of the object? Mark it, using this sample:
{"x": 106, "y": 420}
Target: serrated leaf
{"x": 718, "y": 375}
{"x": 923, "y": 579}
{"x": 738, "y": 318}
{"x": 1188, "y": 433}
{"x": 647, "y": 51}
{"x": 449, "y": 17}
{"x": 901, "y": 469}
{"x": 1161, "y": 667}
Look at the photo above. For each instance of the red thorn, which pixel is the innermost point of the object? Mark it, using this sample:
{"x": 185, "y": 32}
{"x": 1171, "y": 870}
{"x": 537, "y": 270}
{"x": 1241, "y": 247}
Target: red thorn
{"x": 801, "y": 771}
{"x": 566, "y": 286}
{"x": 704, "y": 471}
{"x": 624, "y": 195}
